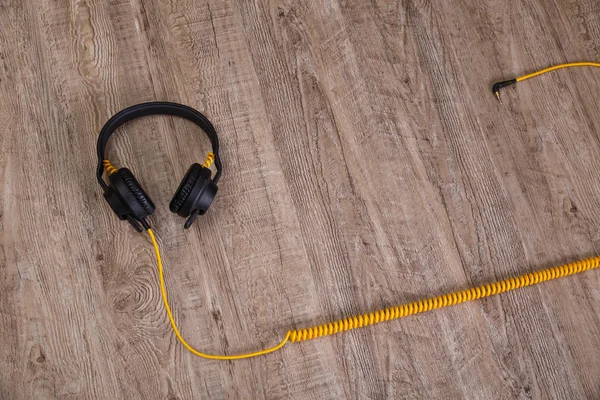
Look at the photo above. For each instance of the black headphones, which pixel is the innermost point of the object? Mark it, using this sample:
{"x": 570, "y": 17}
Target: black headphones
{"x": 126, "y": 196}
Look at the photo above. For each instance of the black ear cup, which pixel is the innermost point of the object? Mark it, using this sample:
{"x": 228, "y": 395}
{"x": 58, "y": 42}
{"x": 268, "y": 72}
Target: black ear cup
{"x": 136, "y": 189}
{"x": 127, "y": 198}
{"x": 185, "y": 187}
{"x": 194, "y": 194}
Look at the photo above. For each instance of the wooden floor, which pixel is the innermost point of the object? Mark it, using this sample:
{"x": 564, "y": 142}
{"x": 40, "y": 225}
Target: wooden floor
{"x": 366, "y": 164}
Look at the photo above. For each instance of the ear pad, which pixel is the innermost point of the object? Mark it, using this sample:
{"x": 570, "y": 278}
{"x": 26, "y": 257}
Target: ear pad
{"x": 136, "y": 189}
{"x": 195, "y": 192}
{"x": 185, "y": 187}
{"x": 126, "y": 196}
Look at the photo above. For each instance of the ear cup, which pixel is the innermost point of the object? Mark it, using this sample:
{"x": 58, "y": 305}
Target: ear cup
{"x": 194, "y": 194}
{"x": 185, "y": 188}
{"x": 127, "y": 198}
{"x": 136, "y": 190}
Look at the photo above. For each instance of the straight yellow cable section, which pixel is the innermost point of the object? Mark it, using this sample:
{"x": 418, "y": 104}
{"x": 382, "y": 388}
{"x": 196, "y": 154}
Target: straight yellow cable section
{"x": 555, "y": 67}
{"x": 163, "y": 293}
{"x": 499, "y": 85}
{"x": 391, "y": 313}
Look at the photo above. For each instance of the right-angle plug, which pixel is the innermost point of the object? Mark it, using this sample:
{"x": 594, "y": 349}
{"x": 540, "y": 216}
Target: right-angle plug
{"x": 499, "y": 85}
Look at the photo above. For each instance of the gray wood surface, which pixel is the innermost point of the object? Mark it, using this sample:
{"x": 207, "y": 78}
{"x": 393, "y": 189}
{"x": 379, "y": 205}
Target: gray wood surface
{"x": 366, "y": 164}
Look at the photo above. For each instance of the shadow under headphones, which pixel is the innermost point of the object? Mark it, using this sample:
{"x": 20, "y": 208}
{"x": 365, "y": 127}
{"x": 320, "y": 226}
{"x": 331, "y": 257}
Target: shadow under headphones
{"x": 126, "y": 196}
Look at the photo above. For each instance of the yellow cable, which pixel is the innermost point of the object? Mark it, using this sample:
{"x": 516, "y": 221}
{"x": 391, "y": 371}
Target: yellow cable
{"x": 163, "y": 292}
{"x": 444, "y": 300}
{"x": 387, "y": 314}
{"x": 404, "y": 310}
{"x": 499, "y": 85}
{"x": 554, "y": 68}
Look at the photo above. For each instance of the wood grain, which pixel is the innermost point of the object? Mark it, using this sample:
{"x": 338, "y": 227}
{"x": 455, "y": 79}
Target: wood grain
{"x": 366, "y": 164}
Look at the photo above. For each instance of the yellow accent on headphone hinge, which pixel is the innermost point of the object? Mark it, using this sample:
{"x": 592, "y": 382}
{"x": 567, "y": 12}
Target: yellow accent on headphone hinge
{"x": 210, "y": 157}
{"x": 110, "y": 169}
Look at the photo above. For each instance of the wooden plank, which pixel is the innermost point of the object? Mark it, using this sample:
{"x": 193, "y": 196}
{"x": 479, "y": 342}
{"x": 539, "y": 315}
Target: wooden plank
{"x": 366, "y": 164}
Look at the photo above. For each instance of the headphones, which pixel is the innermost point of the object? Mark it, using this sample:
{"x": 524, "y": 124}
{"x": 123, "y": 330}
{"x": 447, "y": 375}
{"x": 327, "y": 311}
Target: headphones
{"x": 126, "y": 196}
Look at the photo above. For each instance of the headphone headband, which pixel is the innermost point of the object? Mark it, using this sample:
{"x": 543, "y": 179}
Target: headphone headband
{"x": 156, "y": 108}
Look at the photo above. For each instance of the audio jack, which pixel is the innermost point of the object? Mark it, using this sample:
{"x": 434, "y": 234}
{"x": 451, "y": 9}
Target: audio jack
{"x": 499, "y": 85}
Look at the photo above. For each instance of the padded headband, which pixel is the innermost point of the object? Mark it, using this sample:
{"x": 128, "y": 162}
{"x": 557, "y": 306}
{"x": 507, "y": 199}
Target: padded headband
{"x": 156, "y": 108}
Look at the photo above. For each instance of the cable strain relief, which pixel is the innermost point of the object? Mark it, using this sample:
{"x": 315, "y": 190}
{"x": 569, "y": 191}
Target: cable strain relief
{"x": 145, "y": 224}
{"x": 499, "y": 85}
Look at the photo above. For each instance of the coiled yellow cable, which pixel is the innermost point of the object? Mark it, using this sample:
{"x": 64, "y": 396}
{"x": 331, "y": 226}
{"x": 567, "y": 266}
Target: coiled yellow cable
{"x": 444, "y": 300}
{"x": 110, "y": 169}
{"x": 210, "y": 157}
{"x": 387, "y": 314}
